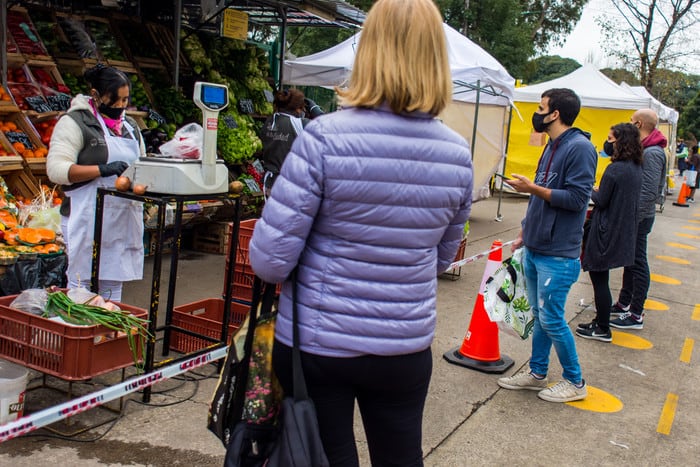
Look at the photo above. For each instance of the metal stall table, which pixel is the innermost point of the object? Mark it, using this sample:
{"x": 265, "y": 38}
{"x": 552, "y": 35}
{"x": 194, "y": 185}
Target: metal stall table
{"x": 162, "y": 200}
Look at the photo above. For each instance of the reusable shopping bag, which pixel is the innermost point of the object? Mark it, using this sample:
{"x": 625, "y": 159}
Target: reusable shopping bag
{"x": 505, "y": 298}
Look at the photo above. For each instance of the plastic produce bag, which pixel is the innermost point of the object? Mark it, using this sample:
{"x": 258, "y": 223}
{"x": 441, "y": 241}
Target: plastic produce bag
{"x": 46, "y": 219}
{"x": 186, "y": 144}
{"x": 505, "y": 298}
{"x": 32, "y": 301}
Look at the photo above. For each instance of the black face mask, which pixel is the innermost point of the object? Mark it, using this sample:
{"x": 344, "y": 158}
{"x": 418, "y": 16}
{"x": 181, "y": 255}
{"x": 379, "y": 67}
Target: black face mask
{"x": 115, "y": 113}
{"x": 609, "y": 148}
{"x": 538, "y": 122}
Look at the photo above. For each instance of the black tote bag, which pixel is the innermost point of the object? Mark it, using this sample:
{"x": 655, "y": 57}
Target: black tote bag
{"x": 295, "y": 440}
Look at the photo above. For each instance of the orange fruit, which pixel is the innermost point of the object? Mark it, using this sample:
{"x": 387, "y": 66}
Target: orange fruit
{"x": 19, "y": 147}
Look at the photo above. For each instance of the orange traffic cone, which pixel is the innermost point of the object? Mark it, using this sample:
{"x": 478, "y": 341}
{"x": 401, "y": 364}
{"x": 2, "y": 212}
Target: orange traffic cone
{"x": 682, "y": 196}
{"x": 480, "y": 349}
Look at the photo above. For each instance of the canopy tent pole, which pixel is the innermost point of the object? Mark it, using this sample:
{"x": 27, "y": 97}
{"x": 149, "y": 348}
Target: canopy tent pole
{"x": 476, "y": 115}
{"x": 499, "y": 216}
{"x": 282, "y": 46}
{"x": 178, "y": 27}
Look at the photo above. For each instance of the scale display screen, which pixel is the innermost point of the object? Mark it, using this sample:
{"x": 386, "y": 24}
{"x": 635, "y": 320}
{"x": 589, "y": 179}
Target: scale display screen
{"x": 214, "y": 97}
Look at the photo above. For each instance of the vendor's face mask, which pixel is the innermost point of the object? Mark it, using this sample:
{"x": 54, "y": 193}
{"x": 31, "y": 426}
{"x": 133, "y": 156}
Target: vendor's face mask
{"x": 115, "y": 113}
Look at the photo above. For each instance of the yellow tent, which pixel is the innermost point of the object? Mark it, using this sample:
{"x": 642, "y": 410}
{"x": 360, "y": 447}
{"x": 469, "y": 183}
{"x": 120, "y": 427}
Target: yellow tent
{"x": 603, "y": 104}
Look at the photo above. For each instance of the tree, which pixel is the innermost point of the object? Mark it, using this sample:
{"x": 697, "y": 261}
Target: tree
{"x": 655, "y": 30}
{"x": 548, "y": 67}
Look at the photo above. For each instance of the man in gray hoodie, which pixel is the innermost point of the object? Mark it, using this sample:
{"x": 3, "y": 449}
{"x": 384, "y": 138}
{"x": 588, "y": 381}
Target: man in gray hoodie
{"x": 551, "y": 234}
{"x": 635, "y": 279}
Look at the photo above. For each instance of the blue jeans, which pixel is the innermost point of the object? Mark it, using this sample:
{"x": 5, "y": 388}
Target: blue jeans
{"x": 549, "y": 279}
{"x": 635, "y": 279}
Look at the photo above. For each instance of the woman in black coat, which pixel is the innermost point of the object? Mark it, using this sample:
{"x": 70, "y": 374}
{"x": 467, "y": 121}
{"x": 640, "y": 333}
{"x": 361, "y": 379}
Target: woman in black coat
{"x": 610, "y": 242}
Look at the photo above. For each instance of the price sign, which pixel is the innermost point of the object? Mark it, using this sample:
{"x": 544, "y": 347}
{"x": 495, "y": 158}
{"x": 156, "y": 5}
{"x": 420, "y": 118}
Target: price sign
{"x": 59, "y": 102}
{"x": 269, "y": 97}
{"x": 246, "y": 106}
{"x": 253, "y": 185}
{"x": 230, "y": 122}
{"x": 19, "y": 137}
{"x": 257, "y": 165}
{"x": 153, "y": 115}
{"x": 37, "y": 103}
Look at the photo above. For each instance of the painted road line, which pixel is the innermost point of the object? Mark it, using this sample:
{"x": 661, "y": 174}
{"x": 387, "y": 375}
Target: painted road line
{"x": 667, "y": 414}
{"x": 598, "y": 400}
{"x": 687, "y": 351}
{"x": 630, "y": 341}
{"x": 690, "y": 227}
{"x": 672, "y": 259}
{"x": 685, "y": 235}
{"x": 682, "y": 246}
{"x": 696, "y": 312}
{"x": 654, "y": 305}
{"x": 664, "y": 279}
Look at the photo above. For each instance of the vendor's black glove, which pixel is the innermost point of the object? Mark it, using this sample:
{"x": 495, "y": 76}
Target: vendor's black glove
{"x": 113, "y": 168}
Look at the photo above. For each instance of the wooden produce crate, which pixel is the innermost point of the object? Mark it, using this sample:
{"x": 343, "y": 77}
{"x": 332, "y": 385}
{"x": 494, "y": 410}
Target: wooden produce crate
{"x": 35, "y": 152}
{"x": 51, "y": 84}
{"x": 67, "y": 352}
{"x": 9, "y": 159}
{"x": 163, "y": 38}
{"x": 25, "y": 34}
{"x": 134, "y": 38}
{"x": 7, "y": 103}
{"x": 107, "y": 43}
{"x": 78, "y": 36}
{"x": 212, "y": 237}
{"x": 204, "y": 317}
{"x": 22, "y": 181}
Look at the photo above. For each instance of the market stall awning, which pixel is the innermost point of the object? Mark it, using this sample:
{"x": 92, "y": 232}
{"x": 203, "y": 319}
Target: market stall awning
{"x": 317, "y": 13}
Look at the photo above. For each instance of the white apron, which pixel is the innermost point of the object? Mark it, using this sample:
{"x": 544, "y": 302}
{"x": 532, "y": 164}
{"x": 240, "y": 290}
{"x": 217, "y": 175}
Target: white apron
{"x": 121, "y": 248}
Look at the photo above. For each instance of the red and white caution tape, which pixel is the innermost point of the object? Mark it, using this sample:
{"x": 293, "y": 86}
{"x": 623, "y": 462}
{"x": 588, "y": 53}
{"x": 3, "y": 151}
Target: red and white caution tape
{"x": 53, "y": 414}
{"x": 471, "y": 259}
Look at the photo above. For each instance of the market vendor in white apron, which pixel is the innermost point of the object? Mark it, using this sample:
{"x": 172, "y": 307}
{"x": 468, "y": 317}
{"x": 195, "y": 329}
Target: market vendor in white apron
{"x": 90, "y": 147}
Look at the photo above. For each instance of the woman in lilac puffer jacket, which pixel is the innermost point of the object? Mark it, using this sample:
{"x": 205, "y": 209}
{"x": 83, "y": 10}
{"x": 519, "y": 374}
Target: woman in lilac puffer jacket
{"x": 370, "y": 204}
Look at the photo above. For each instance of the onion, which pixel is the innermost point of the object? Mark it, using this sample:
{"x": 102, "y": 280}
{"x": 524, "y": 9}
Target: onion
{"x": 122, "y": 183}
{"x": 139, "y": 189}
{"x": 235, "y": 186}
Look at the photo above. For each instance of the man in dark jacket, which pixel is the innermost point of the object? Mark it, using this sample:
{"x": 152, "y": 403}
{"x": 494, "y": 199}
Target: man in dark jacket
{"x": 635, "y": 280}
{"x": 551, "y": 233}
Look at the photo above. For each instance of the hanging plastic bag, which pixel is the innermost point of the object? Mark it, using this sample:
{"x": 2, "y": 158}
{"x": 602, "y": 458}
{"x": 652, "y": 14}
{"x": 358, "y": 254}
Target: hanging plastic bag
{"x": 505, "y": 298}
{"x": 186, "y": 143}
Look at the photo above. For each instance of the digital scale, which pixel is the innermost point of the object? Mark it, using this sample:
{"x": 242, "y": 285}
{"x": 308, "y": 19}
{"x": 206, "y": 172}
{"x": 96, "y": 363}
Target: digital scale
{"x": 189, "y": 176}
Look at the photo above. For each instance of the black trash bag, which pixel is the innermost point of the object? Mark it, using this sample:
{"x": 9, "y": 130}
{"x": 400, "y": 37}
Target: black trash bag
{"x": 34, "y": 274}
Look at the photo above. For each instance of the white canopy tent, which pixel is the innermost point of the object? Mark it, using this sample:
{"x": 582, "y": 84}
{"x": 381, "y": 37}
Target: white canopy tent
{"x": 482, "y": 96}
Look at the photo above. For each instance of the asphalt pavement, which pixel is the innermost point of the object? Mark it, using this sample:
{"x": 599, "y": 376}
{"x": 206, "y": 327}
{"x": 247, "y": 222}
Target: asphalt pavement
{"x": 644, "y": 387}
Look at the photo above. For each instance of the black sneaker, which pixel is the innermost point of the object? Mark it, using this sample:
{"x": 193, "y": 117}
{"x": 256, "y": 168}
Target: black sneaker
{"x": 590, "y": 325}
{"x": 595, "y": 333}
{"x": 628, "y": 321}
{"x": 618, "y": 309}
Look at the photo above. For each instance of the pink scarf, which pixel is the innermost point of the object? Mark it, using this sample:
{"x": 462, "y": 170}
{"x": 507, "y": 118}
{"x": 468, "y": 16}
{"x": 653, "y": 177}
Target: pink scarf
{"x": 112, "y": 124}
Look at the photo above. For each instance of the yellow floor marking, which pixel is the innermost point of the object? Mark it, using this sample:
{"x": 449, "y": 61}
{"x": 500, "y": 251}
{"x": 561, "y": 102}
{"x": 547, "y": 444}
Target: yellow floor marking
{"x": 690, "y": 227}
{"x": 682, "y": 246}
{"x": 672, "y": 259}
{"x": 685, "y": 235}
{"x": 654, "y": 305}
{"x": 694, "y": 221}
{"x": 696, "y": 312}
{"x": 696, "y": 215}
{"x": 664, "y": 279}
{"x": 598, "y": 400}
{"x": 631, "y": 341}
{"x": 667, "y": 414}
{"x": 687, "y": 350}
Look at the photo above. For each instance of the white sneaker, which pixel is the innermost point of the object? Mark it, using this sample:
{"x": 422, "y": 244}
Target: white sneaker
{"x": 523, "y": 380}
{"x": 563, "y": 391}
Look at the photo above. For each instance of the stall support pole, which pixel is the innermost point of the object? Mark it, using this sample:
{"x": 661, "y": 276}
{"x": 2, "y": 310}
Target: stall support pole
{"x": 283, "y": 46}
{"x": 499, "y": 216}
{"x": 476, "y": 116}
{"x": 178, "y": 26}
{"x": 3, "y": 41}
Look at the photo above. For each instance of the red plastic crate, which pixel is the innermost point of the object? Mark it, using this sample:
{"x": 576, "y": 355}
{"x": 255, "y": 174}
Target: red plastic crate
{"x": 245, "y": 233}
{"x": 204, "y": 317}
{"x": 67, "y": 352}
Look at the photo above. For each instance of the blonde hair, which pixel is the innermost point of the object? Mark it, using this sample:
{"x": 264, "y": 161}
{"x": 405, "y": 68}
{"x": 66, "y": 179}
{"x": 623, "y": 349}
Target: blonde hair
{"x": 401, "y": 59}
